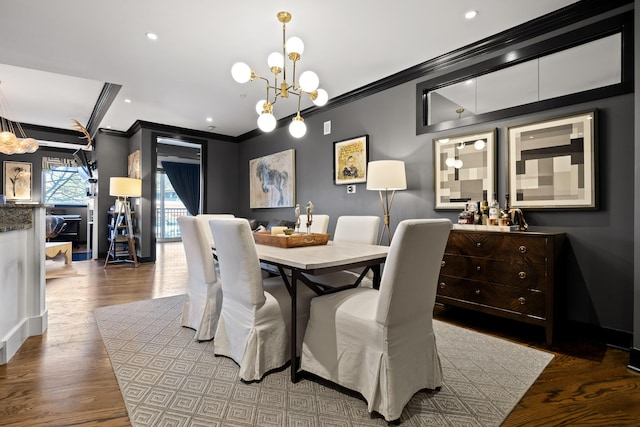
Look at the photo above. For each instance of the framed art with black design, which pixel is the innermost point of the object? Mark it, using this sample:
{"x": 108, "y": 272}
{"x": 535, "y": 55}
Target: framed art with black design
{"x": 552, "y": 164}
{"x": 17, "y": 181}
{"x": 350, "y": 159}
{"x": 464, "y": 169}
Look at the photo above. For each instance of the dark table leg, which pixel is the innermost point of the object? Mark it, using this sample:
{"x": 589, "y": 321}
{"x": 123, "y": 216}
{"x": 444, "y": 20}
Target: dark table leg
{"x": 376, "y": 276}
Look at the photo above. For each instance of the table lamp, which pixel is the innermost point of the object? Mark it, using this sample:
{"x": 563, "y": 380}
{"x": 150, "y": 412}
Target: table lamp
{"x": 386, "y": 175}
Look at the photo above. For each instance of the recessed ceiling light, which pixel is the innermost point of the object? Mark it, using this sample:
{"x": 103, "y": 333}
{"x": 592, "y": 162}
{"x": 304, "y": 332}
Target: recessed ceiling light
{"x": 471, "y": 14}
{"x": 152, "y": 36}
{"x": 128, "y": 101}
{"x": 209, "y": 119}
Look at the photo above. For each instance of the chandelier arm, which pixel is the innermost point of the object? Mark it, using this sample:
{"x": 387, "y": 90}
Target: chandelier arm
{"x": 294, "y": 83}
{"x": 299, "y": 99}
{"x": 284, "y": 51}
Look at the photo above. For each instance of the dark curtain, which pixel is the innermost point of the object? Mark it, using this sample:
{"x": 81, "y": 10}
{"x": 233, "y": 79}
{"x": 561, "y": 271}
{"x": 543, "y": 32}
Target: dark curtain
{"x": 185, "y": 178}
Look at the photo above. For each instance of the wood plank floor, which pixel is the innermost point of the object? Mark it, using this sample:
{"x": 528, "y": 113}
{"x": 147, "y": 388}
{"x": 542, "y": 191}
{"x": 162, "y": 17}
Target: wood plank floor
{"x": 64, "y": 377}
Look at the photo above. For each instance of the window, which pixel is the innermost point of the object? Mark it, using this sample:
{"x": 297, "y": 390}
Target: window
{"x": 63, "y": 185}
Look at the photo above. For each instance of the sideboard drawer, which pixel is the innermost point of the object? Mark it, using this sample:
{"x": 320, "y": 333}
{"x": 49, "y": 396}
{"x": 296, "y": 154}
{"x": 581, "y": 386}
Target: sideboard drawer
{"x": 522, "y": 301}
{"x": 497, "y": 245}
{"x": 523, "y": 274}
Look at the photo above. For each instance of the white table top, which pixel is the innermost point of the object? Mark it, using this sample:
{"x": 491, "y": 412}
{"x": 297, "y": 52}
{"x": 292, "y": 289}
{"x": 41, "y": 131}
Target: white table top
{"x": 333, "y": 254}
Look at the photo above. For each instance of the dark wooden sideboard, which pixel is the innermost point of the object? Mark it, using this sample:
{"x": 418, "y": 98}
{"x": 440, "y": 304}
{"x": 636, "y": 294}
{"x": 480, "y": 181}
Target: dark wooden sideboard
{"x": 507, "y": 274}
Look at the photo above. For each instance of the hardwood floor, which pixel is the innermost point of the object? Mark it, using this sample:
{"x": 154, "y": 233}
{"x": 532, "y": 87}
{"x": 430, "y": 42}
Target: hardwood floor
{"x": 64, "y": 377}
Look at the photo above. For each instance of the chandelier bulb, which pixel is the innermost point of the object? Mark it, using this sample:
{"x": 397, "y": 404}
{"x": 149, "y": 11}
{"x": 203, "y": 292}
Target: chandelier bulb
{"x": 260, "y": 106}
{"x": 30, "y": 145}
{"x": 297, "y": 128}
{"x": 309, "y": 81}
{"x": 294, "y": 46}
{"x": 320, "y": 97}
{"x": 275, "y": 60}
{"x": 241, "y": 72}
{"x": 266, "y": 122}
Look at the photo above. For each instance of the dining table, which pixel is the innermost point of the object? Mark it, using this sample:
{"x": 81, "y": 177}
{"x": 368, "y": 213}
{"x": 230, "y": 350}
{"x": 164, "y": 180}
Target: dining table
{"x": 297, "y": 264}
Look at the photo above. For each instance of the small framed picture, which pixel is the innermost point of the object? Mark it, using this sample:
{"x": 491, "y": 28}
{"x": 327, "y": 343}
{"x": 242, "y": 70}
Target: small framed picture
{"x": 464, "y": 168}
{"x": 17, "y": 180}
{"x": 552, "y": 164}
{"x": 350, "y": 158}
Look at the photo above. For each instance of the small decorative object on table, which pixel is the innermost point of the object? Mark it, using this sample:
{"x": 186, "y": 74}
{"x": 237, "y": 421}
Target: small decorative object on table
{"x": 309, "y": 216}
{"x": 297, "y": 212}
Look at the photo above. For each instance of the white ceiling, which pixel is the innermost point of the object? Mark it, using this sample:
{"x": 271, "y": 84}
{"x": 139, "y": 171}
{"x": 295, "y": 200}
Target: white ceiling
{"x": 55, "y": 56}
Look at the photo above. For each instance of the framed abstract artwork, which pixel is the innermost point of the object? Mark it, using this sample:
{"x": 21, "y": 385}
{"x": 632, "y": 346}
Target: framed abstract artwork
{"x": 350, "y": 159}
{"x": 464, "y": 168}
{"x": 133, "y": 165}
{"x": 552, "y": 164}
{"x": 272, "y": 180}
{"x": 17, "y": 181}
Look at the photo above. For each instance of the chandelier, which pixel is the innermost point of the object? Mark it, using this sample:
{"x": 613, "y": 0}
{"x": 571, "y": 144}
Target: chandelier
{"x": 307, "y": 83}
{"x": 10, "y": 143}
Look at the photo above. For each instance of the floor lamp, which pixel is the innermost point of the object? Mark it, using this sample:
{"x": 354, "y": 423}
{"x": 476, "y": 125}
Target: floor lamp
{"x": 386, "y": 175}
{"x": 123, "y": 188}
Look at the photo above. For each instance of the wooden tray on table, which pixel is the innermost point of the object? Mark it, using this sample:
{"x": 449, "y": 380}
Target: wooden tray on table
{"x": 292, "y": 241}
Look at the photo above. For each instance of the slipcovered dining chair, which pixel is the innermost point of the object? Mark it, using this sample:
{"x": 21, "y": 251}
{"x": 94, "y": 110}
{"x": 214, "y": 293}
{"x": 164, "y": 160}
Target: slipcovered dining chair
{"x": 205, "y": 218}
{"x": 319, "y": 223}
{"x": 255, "y": 319}
{"x": 352, "y": 228}
{"x": 203, "y": 299}
{"x": 381, "y": 342}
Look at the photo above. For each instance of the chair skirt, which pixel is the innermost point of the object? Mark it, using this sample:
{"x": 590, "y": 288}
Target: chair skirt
{"x": 201, "y": 309}
{"x": 257, "y": 337}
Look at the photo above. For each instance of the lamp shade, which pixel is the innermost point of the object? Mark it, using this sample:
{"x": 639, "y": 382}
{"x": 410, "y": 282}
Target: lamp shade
{"x": 125, "y": 187}
{"x": 386, "y": 175}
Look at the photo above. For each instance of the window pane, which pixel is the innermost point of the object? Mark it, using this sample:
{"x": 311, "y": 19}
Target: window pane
{"x": 64, "y": 186}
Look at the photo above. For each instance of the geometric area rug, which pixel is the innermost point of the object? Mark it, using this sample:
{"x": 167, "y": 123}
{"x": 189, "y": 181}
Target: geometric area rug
{"x": 168, "y": 379}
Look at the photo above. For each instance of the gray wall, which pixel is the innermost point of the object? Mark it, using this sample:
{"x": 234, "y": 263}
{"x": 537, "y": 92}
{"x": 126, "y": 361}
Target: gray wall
{"x": 221, "y": 172}
{"x": 110, "y": 150}
{"x": 599, "y": 247}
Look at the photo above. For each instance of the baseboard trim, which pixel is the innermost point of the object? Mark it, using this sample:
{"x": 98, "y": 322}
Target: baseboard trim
{"x": 29, "y": 326}
{"x": 634, "y": 359}
{"x": 598, "y": 334}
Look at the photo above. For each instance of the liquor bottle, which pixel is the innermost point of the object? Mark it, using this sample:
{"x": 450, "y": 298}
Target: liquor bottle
{"x": 507, "y": 213}
{"x": 494, "y": 210}
{"x": 484, "y": 212}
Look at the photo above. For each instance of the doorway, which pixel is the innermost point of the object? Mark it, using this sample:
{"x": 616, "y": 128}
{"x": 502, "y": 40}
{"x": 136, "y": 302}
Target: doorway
{"x": 168, "y": 205}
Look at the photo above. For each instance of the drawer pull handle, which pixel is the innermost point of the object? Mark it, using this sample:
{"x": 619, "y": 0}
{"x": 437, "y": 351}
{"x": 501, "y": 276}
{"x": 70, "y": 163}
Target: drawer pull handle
{"x": 477, "y": 291}
{"x": 523, "y": 249}
{"x": 522, "y": 301}
{"x": 478, "y": 244}
{"x": 443, "y": 285}
{"x": 443, "y": 263}
{"x": 522, "y": 275}
{"x": 478, "y": 268}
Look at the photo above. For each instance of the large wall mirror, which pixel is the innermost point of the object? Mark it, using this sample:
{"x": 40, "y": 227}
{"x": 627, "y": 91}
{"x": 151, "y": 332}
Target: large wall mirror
{"x": 590, "y": 63}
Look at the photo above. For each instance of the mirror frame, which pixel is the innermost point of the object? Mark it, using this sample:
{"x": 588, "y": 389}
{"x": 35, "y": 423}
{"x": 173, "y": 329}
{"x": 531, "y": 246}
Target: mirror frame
{"x": 622, "y": 23}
